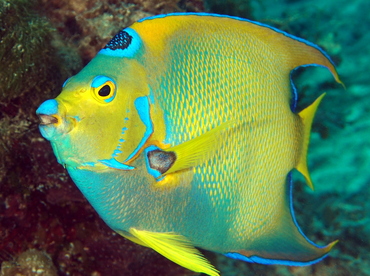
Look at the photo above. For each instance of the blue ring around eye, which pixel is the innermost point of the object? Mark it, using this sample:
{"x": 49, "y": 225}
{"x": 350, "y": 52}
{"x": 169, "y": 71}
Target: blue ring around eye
{"x": 100, "y": 80}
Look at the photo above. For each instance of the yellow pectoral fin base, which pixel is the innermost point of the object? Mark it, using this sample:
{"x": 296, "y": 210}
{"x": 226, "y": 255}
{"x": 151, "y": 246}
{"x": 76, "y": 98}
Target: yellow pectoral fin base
{"x": 198, "y": 150}
{"x": 175, "y": 248}
{"x": 307, "y": 116}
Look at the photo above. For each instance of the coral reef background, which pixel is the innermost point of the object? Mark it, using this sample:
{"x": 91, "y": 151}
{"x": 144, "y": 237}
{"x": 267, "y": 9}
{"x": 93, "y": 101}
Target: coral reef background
{"x": 46, "y": 225}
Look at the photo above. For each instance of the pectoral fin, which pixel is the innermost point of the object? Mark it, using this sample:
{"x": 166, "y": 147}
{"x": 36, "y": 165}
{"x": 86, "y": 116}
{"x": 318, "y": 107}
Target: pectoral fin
{"x": 176, "y": 248}
{"x": 186, "y": 155}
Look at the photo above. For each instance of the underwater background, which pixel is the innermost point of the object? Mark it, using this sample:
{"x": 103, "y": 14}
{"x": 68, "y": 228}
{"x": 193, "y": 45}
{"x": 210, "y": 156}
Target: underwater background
{"x": 46, "y": 225}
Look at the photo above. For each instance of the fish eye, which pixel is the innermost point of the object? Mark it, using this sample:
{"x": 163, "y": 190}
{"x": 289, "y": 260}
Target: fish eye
{"x": 104, "y": 89}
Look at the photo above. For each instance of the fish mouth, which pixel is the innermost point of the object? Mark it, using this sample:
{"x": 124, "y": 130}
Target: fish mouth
{"x": 47, "y": 119}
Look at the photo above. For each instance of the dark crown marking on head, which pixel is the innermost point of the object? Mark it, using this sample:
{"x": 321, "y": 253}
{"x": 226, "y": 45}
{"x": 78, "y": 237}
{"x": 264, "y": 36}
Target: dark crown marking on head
{"x": 120, "y": 41}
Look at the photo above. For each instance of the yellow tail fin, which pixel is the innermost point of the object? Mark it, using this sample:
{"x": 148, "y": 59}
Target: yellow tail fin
{"x": 307, "y": 116}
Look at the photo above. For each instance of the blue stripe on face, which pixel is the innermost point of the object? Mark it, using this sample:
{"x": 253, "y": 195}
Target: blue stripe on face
{"x": 113, "y": 163}
{"x": 129, "y": 50}
{"x": 143, "y": 108}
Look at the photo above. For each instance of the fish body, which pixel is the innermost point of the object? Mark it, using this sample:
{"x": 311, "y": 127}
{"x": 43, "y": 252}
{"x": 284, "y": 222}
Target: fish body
{"x": 182, "y": 132}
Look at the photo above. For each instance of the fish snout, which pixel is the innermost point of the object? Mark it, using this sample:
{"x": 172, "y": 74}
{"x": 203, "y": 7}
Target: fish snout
{"x": 51, "y": 122}
{"x": 47, "y": 119}
{"x": 47, "y": 112}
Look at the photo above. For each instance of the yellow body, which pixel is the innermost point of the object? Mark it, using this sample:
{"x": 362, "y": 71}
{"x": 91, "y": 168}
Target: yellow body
{"x": 220, "y": 102}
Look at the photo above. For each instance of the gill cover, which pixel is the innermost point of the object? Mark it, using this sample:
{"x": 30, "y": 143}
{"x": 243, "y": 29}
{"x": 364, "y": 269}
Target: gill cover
{"x": 101, "y": 98}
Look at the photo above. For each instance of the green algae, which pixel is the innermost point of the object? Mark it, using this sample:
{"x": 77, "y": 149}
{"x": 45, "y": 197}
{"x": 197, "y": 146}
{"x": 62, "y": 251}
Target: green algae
{"x": 28, "y": 60}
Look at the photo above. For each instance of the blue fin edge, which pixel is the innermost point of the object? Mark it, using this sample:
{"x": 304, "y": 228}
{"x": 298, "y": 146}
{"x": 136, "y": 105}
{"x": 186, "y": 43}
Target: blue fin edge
{"x": 240, "y": 19}
{"x": 294, "y": 101}
{"x": 290, "y": 181}
{"x": 293, "y": 104}
{"x": 260, "y": 260}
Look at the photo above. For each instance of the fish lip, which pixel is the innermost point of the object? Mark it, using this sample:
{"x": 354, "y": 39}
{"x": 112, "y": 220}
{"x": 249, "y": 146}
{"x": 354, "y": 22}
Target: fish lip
{"x": 47, "y": 120}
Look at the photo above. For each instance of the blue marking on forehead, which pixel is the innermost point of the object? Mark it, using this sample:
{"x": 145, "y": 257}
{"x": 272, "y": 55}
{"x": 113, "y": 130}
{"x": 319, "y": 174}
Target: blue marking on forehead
{"x": 124, "y": 44}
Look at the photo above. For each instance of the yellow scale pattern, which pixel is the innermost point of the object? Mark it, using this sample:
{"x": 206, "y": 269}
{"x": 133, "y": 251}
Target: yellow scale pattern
{"x": 212, "y": 85}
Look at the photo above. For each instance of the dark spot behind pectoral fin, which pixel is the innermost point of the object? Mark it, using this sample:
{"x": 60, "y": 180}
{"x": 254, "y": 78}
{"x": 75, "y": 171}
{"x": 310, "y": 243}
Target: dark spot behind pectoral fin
{"x": 161, "y": 161}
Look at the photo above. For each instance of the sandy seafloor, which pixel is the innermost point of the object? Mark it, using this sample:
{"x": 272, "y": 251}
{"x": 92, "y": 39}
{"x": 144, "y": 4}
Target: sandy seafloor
{"x": 339, "y": 154}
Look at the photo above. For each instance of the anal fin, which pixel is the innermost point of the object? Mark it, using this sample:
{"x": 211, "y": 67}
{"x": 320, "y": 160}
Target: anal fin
{"x": 175, "y": 248}
{"x": 286, "y": 244}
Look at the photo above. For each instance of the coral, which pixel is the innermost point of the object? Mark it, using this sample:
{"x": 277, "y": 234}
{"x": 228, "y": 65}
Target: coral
{"x": 29, "y": 263}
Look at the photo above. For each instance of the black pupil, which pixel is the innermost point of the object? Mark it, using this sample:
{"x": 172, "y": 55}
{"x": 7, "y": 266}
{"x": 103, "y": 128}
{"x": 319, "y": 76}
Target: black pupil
{"x": 104, "y": 91}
